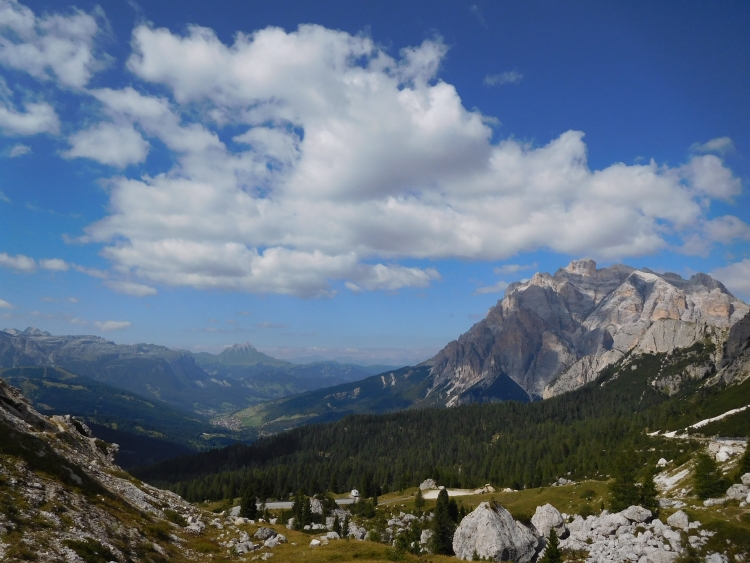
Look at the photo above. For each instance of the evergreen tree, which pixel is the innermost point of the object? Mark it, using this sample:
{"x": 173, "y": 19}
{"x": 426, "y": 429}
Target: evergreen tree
{"x": 419, "y": 500}
{"x": 442, "y": 526}
{"x": 708, "y": 480}
{"x": 453, "y": 510}
{"x": 337, "y": 525}
{"x": 552, "y": 554}
{"x": 345, "y": 527}
{"x": 623, "y": 489}
{"x": 649, "y": 494}
{"x": 248, "y": 508}
{"x": 744, "y": 465}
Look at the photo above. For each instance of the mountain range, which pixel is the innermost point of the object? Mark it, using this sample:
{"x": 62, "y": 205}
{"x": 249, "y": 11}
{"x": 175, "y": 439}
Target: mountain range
{"x": 206, "y": 384}
{"x": 548, "y": 335}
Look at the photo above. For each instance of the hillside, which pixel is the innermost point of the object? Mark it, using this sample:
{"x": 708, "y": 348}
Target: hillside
{"x": 63, "y": 499}
{"x": 147, "y": 430}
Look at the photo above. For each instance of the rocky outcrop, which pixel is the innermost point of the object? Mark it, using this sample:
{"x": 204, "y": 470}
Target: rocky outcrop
{"x": 547, "y": 518}
{"x": 490, "y": 531}
{"x": 555, "y": 333}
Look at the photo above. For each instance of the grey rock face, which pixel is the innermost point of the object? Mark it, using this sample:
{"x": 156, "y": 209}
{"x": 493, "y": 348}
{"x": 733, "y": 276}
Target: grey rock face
{"x": 316, "y": 507}
{"x": 553, "y": 334}
{"x": 746, "y": 478}
{"x": 490, "y": 531}
{"x": 546, "y": 518}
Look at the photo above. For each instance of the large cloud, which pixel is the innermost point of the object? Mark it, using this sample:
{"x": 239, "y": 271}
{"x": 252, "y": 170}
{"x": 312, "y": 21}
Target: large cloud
{"x": 312, "y": 158}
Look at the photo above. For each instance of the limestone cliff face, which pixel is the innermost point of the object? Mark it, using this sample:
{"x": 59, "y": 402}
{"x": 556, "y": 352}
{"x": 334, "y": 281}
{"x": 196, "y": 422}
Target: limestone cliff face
{"x": 555, "y": 333}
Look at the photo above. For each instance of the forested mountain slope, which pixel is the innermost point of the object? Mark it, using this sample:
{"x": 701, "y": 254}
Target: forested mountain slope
{"x": 509, "y": 444}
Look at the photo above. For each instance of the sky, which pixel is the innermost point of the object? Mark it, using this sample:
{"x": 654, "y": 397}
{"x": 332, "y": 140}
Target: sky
{"x": 357, "y": 181}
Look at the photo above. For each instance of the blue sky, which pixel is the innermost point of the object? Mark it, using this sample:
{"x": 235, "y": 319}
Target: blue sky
{"x": 357, "y": 180}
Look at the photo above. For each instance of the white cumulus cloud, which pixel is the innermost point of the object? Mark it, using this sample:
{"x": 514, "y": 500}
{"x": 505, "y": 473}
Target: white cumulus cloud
{"x": 114, "y": 145}
{"x": 510, "y": 77}
{"x": 55, "y": 264}
{"x": 53, "y": 46}
{"x": 38, "y": 118}
{"x": 720, "y": 145}
{"x": 130, "y": 288}
{"x": 5, "y": 305}
{"x": 736, "y": 277}
{"x": 18, "y": 262}
{"x": 108, "y": 326}
{"x": 19, "y": 150}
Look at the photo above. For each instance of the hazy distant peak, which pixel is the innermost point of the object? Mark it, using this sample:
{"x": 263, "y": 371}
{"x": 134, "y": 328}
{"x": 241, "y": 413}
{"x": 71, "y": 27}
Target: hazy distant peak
{"x": 243, "y": 348}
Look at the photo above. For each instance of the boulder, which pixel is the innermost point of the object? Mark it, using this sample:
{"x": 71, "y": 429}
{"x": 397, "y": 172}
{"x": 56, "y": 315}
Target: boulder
{"x": 662, "y": 462}
{"x": 546, "y": 518}
{"x": 264, "y": 533}
{"x": 738, "y": 492}
{"x": 746, "y": 478}
{"x": 490, "y": 531}
{"x": 679, "y": 520}
{"x": 333, "y": 536}
{"x": 637, "y": 513}
{"x": 290, "y": 524}
{"x": 425, "y": 537}
{"x": 714, "y": 501}
{"x": 314, "y": 542}
{"x": 316, "y": 507}
{"x": 428, "y": 484}
{"x": 274, "y": 541}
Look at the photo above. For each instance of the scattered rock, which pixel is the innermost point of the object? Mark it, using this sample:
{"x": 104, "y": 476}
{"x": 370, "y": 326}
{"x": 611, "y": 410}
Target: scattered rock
{"x": 274, "y": 541}
{"x": 738, "y": 492}
{"x": 662, "y": 462}
{"x": 333, "y": 536}
{"x": 316, "y": 507}
{"x": 746, "y": 477}
{"x": 314, "y": 542}
{"x": 636, "y": 513}
{"x": 714, "y": 501}
{"x": 679, "y": 520}
{"x": 264, "y": 533}
{"x": 428, "y": 484}
{"x": 490, "y": 531}
{"x": 546, "y": 518}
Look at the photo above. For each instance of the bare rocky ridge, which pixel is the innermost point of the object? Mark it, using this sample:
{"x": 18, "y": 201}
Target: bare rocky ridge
{"x": 555, "y": 333}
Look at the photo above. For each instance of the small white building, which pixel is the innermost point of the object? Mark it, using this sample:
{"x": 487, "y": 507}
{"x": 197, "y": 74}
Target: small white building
{"x": 354, "y": 493}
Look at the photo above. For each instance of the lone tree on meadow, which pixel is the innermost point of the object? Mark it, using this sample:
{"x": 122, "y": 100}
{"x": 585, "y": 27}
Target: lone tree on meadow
{"x": 708, "y": 480}
{"x": 442, "y": 526}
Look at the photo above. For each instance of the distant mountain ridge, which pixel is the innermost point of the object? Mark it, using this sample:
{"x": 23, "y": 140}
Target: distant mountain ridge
{"x": 207, "y": 384}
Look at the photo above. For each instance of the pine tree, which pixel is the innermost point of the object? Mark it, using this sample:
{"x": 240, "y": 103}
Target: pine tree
{"x": 649, "y": 494}
{"x": 623, "y": 489}
{"x": 419, "y": 500}
{"x": 744, "y": 465}
{"x": 552, "y": 554}
{"x": 442, "y": 526}
{"x": 248, "y": 508}
{"x": 337, "y": 525}
{"x": 708, "y": 480}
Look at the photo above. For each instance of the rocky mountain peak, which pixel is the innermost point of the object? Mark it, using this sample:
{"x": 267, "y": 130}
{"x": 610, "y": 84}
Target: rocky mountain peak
{"x": 584, "y": 267}
{"x": 239, "y": 349}
{"x": 553, "y": 333}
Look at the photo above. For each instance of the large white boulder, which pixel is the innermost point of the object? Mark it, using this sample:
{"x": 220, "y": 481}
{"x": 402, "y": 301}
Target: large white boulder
{"x": 679, "y": 520}
{"x": 428, "y": 485}
{"x": 738, "y": 492}
{"x": 547, "y": 517}
{"x": 490, "y": 531}
{"x": 636, "y": 513}
{"x": 746, "y": 478}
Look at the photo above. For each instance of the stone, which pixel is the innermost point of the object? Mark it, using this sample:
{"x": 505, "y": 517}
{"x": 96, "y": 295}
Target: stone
{"x": 314, "y": 542}
{"x": 662, "y": 462}
{"x": 425, "y": 537}
{"x": 274, "y": 541}
{"x": 428, "y": 484}
{"x": 714, "y": 501}
{"x": 738, "y": 492}
{"x": 637, "y": 513}
{"x": 333, "y": 536}
{"x": 490, "y": 531}
{"x": 679, "y": 520}
{"x": 290, "y": 524}
{"x": 746, "y": 477}
{"x": 316, "y": 507}
{"x": 546, "y": 518}
{"x": 264, "y": 533}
